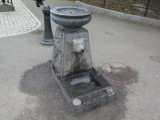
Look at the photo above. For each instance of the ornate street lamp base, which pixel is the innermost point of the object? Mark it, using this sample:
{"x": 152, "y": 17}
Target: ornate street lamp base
{"x": 47, "y": 42}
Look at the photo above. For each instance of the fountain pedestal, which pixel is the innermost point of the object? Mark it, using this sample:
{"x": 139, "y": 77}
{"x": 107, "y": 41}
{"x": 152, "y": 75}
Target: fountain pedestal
{"x": 71, "y": 65}
{"x": 71, "y": 52}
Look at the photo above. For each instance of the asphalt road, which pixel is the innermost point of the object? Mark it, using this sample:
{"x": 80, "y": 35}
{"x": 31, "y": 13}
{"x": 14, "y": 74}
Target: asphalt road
{"x": 28, "y": 91}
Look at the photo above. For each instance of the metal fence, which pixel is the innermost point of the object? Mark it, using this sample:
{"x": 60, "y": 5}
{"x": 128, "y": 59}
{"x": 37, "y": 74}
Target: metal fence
{"x": 7, "y": 1}
{"x": 150, "y": 8}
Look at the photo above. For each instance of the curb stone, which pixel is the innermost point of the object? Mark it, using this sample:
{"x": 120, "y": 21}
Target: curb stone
{"x": 122, "y": 16}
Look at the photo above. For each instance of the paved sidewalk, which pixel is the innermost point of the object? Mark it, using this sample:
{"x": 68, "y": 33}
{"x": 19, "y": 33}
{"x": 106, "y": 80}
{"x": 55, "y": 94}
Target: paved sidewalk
{"x": 30, "y": 93}
{"x": 17, "y": 22}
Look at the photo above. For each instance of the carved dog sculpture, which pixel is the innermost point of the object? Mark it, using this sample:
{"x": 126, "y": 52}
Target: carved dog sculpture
{"x": 78, "y": 46}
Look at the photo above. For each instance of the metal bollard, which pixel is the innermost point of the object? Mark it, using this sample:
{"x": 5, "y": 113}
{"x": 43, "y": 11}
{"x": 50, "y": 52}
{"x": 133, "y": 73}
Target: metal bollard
{"x": 3, "y": 1}
{"x": 48, "y": 38}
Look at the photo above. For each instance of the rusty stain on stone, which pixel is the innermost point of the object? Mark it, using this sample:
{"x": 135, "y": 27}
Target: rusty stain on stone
{"x": 108, "y": 33}
{"x": 118, "y": 72}
{"x": 155, "y": 58}
{"x": 38, "y": 32}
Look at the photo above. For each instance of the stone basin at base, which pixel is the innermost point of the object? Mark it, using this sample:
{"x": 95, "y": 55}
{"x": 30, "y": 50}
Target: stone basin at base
{"x": 84, "y": 91}
{"x": 71, "y": 18}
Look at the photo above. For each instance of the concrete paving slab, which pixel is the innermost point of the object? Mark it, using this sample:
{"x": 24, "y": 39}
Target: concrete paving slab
{"x": 17, "y": 22}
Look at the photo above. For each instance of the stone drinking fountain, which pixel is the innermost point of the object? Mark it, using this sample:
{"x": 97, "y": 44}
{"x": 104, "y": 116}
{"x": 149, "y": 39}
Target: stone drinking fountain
{"x": 71, "y": 66}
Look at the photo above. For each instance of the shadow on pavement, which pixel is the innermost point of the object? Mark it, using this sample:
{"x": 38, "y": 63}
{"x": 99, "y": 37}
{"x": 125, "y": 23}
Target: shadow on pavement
{"x": 45, "y": 101}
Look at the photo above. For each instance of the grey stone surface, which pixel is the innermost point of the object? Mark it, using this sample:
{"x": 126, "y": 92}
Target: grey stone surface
{"x": 123, "y": 16}
{"x": 88, "y": 97}
{"x": 65, "y": 60}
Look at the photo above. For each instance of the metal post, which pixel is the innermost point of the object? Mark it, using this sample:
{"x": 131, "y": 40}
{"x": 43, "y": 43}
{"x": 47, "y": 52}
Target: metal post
{"x": 48, "y": 38}
{"x": 3, "y": 1}
{"x": 11, "y": 2}
{"x": 104, "y": 3}
{"x": 145, "y": 14}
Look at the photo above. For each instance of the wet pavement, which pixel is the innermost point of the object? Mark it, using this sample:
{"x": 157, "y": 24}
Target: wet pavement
{"x": 46, "y": 101}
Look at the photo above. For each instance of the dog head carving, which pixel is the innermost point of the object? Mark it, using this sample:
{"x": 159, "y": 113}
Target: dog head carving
{"x": 78, "y": 46}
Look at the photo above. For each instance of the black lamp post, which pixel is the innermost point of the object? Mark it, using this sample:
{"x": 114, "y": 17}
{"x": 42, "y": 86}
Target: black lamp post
{"x": 3, "y": 1}
{"x": 145, "y": 14}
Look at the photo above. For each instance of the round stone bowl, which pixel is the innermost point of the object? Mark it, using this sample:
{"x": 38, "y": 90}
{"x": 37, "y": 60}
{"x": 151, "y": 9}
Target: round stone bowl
{"x": 70, "y": 18}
